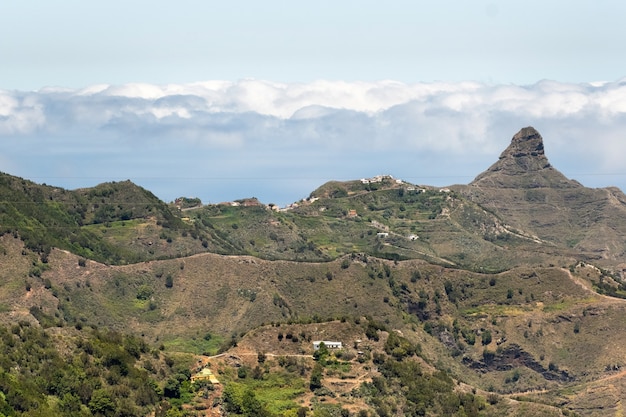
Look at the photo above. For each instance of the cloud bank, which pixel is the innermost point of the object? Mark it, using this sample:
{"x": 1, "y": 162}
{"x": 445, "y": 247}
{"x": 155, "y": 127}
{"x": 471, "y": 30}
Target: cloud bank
{"x": 222, "y": 140}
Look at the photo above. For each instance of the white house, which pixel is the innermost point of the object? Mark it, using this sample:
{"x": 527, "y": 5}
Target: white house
{"x": 329, "y": 344}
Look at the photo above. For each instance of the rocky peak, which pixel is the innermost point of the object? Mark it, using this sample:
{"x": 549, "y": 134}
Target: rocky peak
{"x": 523, "y": 164}
{"x": 526, "y": 143}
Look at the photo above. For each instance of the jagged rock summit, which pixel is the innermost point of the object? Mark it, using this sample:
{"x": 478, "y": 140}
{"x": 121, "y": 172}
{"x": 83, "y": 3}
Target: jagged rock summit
{"x": 524, "y": 165}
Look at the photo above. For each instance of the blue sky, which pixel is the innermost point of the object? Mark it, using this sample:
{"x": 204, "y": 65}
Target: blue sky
{"x": 225, "y": 100}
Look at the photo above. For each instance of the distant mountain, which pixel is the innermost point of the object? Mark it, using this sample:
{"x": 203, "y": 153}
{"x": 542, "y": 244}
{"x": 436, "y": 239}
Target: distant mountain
{"x": 523, "y": 164}
{"x": 524, "y": 190}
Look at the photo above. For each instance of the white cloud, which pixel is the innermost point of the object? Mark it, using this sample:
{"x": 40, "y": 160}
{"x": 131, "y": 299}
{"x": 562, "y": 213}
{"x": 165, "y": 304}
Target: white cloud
{"x": 258, "y": 129}
{"x": 19, "y": 115}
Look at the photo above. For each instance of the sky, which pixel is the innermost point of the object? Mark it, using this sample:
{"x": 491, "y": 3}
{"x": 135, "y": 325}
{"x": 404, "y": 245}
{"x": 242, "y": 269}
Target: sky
{"x": 227, "y": 100}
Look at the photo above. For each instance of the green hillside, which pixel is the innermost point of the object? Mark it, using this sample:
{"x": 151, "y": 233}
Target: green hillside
{"x": 501, "y": 297}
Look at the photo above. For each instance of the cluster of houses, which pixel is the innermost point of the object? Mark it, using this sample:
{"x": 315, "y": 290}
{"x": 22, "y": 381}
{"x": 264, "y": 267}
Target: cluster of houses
{"x": 378, "y": 179}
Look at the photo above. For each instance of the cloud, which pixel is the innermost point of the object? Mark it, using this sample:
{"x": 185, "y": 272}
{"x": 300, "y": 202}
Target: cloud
{"x": 259, "y": 133}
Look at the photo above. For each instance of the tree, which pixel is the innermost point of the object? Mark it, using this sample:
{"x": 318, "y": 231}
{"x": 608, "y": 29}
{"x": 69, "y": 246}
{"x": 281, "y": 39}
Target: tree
{"x": 321, "y": 353}
{"x": 316, "y": 377}
{"x": 69, "y": 404}
{"x": 252, "y": 406}
{"x": 101, "y": 402}
{"x": 169, "y": 281}
{"x": 172, "y": 388}
{"x": 486, "y": 337}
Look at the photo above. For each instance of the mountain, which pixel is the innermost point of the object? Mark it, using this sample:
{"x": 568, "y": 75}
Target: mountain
{"x": 524, "y": 165}
{"x": 502, "y": 296}
{"x": 523, "y": 188}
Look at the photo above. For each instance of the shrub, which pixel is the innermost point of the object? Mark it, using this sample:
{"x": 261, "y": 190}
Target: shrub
{"x": 493, "y": 399}
{"x": 144, "y": 292}
{"x": 488, "y": 356}
{"x": 486, "y": 337}
{"x": 169, "y": 281}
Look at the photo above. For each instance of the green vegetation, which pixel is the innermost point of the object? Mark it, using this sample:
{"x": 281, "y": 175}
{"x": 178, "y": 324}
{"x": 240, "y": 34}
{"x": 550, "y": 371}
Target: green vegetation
{"x": 207, "y": 345}
{"x": 99, "y": 373}
{"x": 45, "y": 217}
{"x": 438, "y": 294}
{"x": 425, "y": 393}
{"x": 258, "y": 392}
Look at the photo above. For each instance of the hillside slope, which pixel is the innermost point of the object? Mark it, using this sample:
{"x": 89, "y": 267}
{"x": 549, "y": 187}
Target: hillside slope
{"x": 523, "y": 188}
{"x": 506, "y": 294}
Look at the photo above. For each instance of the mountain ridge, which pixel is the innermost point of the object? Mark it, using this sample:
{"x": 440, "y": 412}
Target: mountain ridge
{"x": 509, "y": 285}
{"x": 520, "y": 196}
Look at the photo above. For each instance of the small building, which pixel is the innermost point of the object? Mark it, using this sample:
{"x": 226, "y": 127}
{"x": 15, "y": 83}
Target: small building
{"x": 329, "y": 344}
{"x": 382, "y": 234}
{"x": 204, "y": 375}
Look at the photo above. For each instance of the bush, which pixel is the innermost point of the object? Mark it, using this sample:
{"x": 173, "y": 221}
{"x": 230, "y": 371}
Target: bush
{"x": 144, "y": 292}
{"x": 169, "y": 281}
{"x": 493, "y": 398}
{"x": 486, "y": 337}
{"x": 488, "y": 356}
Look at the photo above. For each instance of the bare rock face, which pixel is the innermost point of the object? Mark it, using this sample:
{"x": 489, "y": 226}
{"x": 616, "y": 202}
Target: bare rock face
{"x": 525, "y": 151}
{"x": 524, "y": 165}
